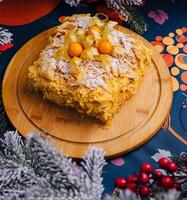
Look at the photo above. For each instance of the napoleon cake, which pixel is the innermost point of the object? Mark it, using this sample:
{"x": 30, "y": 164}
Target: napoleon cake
{"x": 90, "y": 66}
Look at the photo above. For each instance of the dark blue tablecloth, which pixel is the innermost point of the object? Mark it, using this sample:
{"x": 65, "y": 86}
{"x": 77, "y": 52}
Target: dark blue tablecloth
{"x": 168, "y": 33}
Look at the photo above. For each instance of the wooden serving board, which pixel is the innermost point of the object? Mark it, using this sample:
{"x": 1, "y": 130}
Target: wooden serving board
{"x": 138, "y": 120}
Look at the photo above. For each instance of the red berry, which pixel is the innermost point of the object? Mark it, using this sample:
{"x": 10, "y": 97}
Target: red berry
{"x": 172, "y": 167}
{"x": 146, "y": 167}
{"x": 131, "y": 179}
{"x": 167, "y": 182}
{"x": 144, "y": 191}
{"x": 143, "y": 178}
{"x": 157, "y": 174}
{"x": 177, "y": 186}
{"x": 164, "y": 162}
{"x": 132, "y": 187}
{"x": 120, "y": 182}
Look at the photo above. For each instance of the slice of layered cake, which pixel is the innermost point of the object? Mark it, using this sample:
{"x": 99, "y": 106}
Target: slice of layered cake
{"x": 90, "y": 66}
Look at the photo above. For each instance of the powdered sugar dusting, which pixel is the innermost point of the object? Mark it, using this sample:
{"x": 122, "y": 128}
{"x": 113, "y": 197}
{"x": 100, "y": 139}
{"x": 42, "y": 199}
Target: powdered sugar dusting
{"x": 94, "y": 75}
{"x": 52, "y": 63}
{"x": 47, "y": 54}
{"x": 64, "y": 66}
{"x": 119, "y": 65}
{"x": 93, "y": 80}
{"x": 83, "y": 21}
{"x": 120, "y": 39}
{"x": 58, "y": 41}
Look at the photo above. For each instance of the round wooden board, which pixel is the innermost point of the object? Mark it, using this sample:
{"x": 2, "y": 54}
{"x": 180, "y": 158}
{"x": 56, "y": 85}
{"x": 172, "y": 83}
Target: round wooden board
{"x": 138, "y": 120}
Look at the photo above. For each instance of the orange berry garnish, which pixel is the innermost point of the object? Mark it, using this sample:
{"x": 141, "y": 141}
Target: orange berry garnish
{"x": 75, "y": 49}
{"x": 105, "y": 47}
{"x": 91, "y": 30}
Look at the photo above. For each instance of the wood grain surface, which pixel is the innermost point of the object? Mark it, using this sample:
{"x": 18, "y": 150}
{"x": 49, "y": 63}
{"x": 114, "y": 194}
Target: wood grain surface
{"x": 138, "y": 120}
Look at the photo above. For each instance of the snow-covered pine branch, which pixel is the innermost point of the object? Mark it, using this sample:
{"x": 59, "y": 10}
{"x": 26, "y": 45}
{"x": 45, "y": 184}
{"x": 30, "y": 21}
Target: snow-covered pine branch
{"x": 5, "y": 36}
{"x": 124, "y": 2}
{"x": 37, "y": 170}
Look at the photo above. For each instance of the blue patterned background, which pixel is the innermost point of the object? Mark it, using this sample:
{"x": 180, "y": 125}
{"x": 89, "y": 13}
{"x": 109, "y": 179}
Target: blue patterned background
{"x": 172, "y": 138}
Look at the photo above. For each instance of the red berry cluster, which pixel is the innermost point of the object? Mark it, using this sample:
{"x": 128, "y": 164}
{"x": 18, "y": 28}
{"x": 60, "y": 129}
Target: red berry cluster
{"x": 143, "y": 181}
{"x": 168, "y": 181}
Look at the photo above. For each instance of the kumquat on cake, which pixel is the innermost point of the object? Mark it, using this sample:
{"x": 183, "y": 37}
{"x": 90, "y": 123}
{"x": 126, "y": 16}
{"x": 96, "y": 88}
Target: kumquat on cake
{"x": 90, "y": 66}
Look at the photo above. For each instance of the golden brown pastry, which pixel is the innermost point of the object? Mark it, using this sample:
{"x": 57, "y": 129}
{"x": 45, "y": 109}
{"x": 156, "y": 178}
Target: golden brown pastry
{"x": 90, "y": 66}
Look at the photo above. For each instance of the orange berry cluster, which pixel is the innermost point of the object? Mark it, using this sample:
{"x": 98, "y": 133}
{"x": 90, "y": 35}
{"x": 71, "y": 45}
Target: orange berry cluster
{"x": 104, "y": 46}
